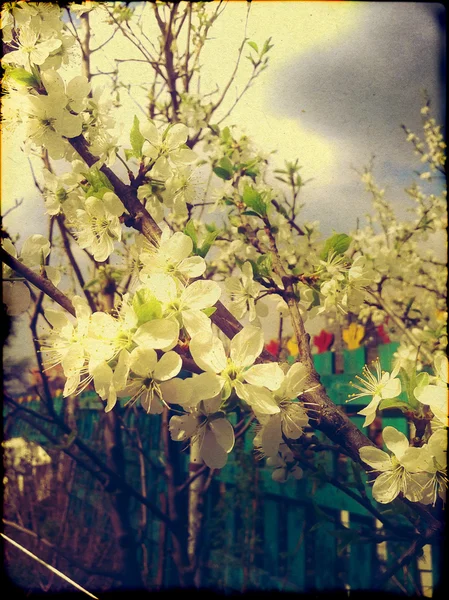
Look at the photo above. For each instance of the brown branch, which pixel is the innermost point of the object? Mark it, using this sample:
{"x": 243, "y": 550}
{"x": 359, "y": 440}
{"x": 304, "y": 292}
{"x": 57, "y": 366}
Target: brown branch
{"x": 75, "y": 266}
{"x": 45, "y": 285}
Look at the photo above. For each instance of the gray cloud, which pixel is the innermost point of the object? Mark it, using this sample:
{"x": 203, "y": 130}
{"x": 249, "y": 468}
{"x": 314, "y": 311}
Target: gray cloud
{"x": 364, "y": 88}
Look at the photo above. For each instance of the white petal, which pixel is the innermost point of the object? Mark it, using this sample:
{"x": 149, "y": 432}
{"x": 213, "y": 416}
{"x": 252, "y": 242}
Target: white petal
{"x": 195, "y": 322}
{"x": 121, "y": 370}
{"x": 246, "y": 346}
{"x": 168, "y": 367}
{"x": 34, "y": 250}
{"x": 206, "y": 385}
{"x": 143, "y": 361}
{"x": 57, "y": 318}
{"x": 177, "y": 391}
{"x": 113, "y": 204}
{"x": 272, "y": 435}
{"x": 150, "y": 132}
{"x": 386, "y": 488}
{"x": 294, "y": 380}
{"x": 208, "y": 352}
{"x": 201, "y": 294}
{"x": 182, "y": 427}
{"x": 17, "y": 297}
{"x": 223, "y": 432}
{"x": 194, "y": 266}
{"x": 176, "y": 136}
{"x": 178, "y": 247}
{"x": 53, "y": 82}
{"x": 395, "y": 441}
{"x": 436, "y": 397}
{"x": 158, "y": 334}
{"x": 212, "y": 453}
{"x": 269, "y": 375}
{"x": 163, "y": 287}
{"x": 376, "y": 458}
{"x": 257, "y": 397}
{"x": 391, "y": 389}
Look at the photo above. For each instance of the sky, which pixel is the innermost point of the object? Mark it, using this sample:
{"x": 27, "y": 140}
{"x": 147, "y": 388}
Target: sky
{"x": 343, "y": 77}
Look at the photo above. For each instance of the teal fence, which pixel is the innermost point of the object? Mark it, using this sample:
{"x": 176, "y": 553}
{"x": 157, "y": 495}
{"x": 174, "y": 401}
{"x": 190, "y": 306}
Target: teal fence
{"x": 298, "y": 536}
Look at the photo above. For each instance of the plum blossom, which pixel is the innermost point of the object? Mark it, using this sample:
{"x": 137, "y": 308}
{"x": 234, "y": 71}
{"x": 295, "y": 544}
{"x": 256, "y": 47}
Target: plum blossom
{"x": 244, "y": 292}
{"x": 167, "y": 148}
{"x": 403, "y": 472}
{"x": 98, "y": 225}
{"x": 379, "y": 385}
{"x": 172, "y": 257}
{"x": 252, "y": 383}
{"x": 147, "y": 373}
{"x": 49, "y": 122}
{"x": 209, "y": 428}
{"x": 65, "y": 344}
{"x": 31, "y": 48}
{"x": 186, "y": 304}
{"x": 436, "y": 395}
{"x": 291, "y": 418}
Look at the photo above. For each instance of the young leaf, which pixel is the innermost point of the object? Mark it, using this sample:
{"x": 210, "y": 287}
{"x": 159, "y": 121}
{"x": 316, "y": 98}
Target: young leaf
{"x": 339, "y": 243}
{"x": 23, "y": 77}
{"x": 254, "y": 46}
{"x": 208, "y": 241}
{"x": 253, "y": 200}
{"x": 222, "y": 173}
{"x": 189, "y": 230}
{"x": 146, "y": 306}
{"x": 136, "y": 138}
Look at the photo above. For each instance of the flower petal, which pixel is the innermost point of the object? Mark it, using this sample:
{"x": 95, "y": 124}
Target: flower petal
{"x": 201, "y": 294}
{"x": 223, "y": 432}
{"x": 386, "y": 488}
{"x": 168, "y": 367}
{"x": 214, "y": 455}
{"x": 395, "y": 441}
{"x": 269, "y": 375}
{"x": 257, "y": 397}
{"x": 206, "y": 385}
{"x": 376, "y": 458}
{"x": 195, "y": 322}
{"x": 246, "y": 346}
{"x": 182, "y": 427}
{"x": 208, "y": 352}
{"x": 158, "y": 334}
{"x": 143, "y": 361}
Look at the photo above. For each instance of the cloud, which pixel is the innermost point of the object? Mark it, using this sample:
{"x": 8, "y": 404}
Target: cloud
{"x": 370, "y": 83}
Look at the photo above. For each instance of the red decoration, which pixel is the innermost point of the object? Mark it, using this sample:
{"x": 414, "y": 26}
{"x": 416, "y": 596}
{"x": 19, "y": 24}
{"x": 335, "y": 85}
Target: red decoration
{"x": 323, "y": 341}
{"x": 383, "y": 334}
{"x": 273, "y": 347}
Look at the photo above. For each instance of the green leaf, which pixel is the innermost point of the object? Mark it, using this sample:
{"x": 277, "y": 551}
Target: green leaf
{"x": 339, "y": 243}
{"x": 226, "y": 134}
{"x": 254, "y": 46}
{"x": 208, "y": 241}
{"x": 91, "y": 283}
{"x": 189, "y": 230}
{"x": 23, "y": 77}
{"x": 222, "y": 173}
{"x": 136, "y": 138}
{"x": 263, "y": 265}
{"x": 209, "y": 311}
{"x": 250, "y": 213}
{"x": 129, "y": 153}
{"x": 266, "y": 47}
{"x": 253, "y": 200}
{"x": 146, "y": 306}
{"x": 394, "y": 403}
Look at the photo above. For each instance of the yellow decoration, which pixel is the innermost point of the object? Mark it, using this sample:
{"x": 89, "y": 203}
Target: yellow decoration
{"x": 353, "y": 335}
{"x": 292, "y": 347}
